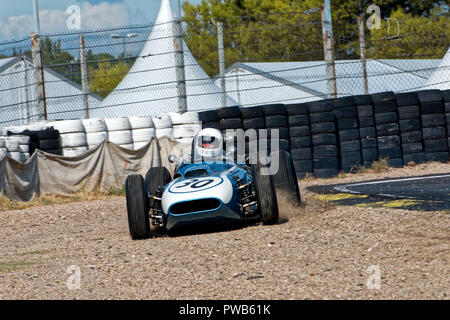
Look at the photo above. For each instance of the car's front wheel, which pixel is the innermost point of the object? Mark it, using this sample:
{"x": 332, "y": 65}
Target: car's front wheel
{"x": 137, "y": 208}
{"x": 265, "y": 195}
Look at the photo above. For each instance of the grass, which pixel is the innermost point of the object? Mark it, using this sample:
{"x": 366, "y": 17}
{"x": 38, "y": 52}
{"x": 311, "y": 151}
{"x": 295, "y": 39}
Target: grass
{"x": 9, "y": 266}
{"x": 47, "y": 200}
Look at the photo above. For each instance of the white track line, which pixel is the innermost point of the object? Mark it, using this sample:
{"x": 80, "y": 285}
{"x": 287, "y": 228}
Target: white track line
{"x": 344, "y": 189}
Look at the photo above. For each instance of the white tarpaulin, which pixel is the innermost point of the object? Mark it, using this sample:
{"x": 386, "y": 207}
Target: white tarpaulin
{"x": 150, "y": 87}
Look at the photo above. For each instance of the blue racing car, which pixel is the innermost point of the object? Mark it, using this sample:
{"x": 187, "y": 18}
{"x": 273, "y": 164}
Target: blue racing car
{"x": 207, "y": 188}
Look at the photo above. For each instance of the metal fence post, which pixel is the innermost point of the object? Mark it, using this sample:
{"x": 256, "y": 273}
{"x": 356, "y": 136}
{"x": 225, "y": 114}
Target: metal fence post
{"x": 84, "y": 75}
{"x": 27, "y": 94}
{"x": 222, "y": 63}
{"x": 328, "y": 48}
{"x": 36, "y": 50}
{"x": 362, "y": 46}
{"x": 179, "y": 61}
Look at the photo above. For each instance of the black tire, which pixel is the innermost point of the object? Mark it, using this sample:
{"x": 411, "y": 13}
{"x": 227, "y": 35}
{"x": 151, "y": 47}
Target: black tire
{"x": 137, "y": 209}
{"x": 283, "y": 133}
{"x": 297, "y": 109}
{"x": 156, "y": 177}
{"x": 276, "y": 121}
{"x": 347, "y": 124}
{"x": 303, "y": 165}
{"x": 324, "y": 127}
{"x": 407, "y": 99}
{"x": 432, "y": 107}
{"x": 322, "y": 117}
{"x": 434, "y": 133}
{"x": 252, "y": 112}
{"x": 435, "y": 145}
{"x": 395, "y": 163}
{"x": 49, "y": 144}
{"x": 362, "y": 100}
{"x": 385, "y": 107}
{"x": 410, "y": 125}
{"x": 429, "y": 96}
{"x": 285, "y": 180}
{"x": 48, "y": 134}
{"x": 229, "y": 112}
{"x": 348, "y": 135}
{"x": 214, "y": 125}
{"x": 387, "y": 142}
{"x": 365, "y": 111}
{"x": 343, "y": 102}
{"x": 274, "y": 109}
{"x": 351, "y": 159}
{"x": 368, "y": 143}
{"x": 383, "y": 96}
{"x": 346, "y": 113}
{"x": 208, "y": 116}
{"x": 323, "y": 139}
{"x": 411, "y": 148}
{"x": 369, "y": 155}
{"x": 414, "y": 157}
{"x": 325, "y": 163}
{"x": 366, "y": 122}
{"x": 411, "y": 137}
{"x": 326, "y": 151}
{"x": 368, "y": 132}
{"x": 299, "y": 131}
{"x": 319, "y": 106}
{"x": 446, "y": 95}
{"x": 298, "y": 121}
{"x": 388, "y": 129}
{"x": 231, "y": 123}
{"x": 391, "y": 153}
{"x": 349, "y": 146}
{"x": 254, "y": 123}
{"x": 265, "y": 195}
{"x": 437, "y": 157}
{"x": 433, "y": 120}
{"x": 300, "y": 142}
{"x": 409, "y": 112}
{"x": 301, "y": 154}
{"x": 383, "y": 118}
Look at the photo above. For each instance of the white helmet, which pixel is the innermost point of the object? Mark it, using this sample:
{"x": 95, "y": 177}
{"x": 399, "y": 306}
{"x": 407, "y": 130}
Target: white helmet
{"x": 208, "y": 144}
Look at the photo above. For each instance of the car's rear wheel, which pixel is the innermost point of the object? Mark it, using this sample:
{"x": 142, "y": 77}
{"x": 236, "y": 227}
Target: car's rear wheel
{"x": 265, "y": 195}
{"x": 137, "y": 209}
{"x": 285, "y": 180}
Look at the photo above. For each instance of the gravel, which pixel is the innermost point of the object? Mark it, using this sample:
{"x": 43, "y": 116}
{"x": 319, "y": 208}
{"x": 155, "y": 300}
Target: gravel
{"x": 322, "y": 252}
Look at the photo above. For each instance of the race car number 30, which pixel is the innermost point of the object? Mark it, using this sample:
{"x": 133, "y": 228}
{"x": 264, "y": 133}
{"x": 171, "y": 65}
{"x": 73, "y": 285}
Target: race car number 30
{"x": 195, "y": 185}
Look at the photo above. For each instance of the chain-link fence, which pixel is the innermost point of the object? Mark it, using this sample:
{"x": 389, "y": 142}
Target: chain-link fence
{"x": 272, "y": 58}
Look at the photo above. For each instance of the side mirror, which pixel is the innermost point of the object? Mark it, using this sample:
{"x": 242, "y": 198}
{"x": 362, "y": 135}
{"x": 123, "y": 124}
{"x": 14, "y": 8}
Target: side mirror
{"x": 173, "y": 158}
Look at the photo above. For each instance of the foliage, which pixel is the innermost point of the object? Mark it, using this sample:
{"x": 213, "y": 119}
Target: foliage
{"x": 106, "y": 77}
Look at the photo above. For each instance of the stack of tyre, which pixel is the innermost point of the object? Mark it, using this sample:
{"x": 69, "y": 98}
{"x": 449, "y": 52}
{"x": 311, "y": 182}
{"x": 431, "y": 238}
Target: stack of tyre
{"x": 209, "y": 119}
{"x": 96, "y": 132}
{"x": 17, "y": 147}
{"x": 48, "y": 140}
{"x": 367, "y": 130}
{"x": 229, "y": 121}
{"x": 349, "y": 141}
{"x": 163, "y": 126}
{"x": 72, "y": 137}
{"x": 410, "y": 127}
{"x": 276, "y": 120}
{"x": 446, "y": 94}
{"x": 252, "y": 118}
{"x": 388, "y": 130}
{"x": 185, "y": 126}
{"x": 3, "y": 150}
{"x": 300, "y": 139}
{"x": 323, "y": 131}
{"x": 119, "y": 132}
{"x": 142, "y": 131}
{"x": 434, "y": 129}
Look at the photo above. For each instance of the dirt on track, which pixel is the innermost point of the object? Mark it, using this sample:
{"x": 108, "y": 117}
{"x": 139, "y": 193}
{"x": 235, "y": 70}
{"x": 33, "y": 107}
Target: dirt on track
{"x": 322, "y": 252}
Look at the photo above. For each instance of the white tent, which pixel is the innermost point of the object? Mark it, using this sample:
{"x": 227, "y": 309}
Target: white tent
{"x": 440, "y": 78}
{"x": 150, "y": 87}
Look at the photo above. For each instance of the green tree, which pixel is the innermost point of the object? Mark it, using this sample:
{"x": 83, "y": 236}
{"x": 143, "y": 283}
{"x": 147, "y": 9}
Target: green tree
{"x": 106, "y": 77}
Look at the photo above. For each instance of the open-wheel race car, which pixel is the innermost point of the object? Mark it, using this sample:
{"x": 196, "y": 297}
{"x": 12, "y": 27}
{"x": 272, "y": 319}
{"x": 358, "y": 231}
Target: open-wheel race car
{"x": 208, "y": 188}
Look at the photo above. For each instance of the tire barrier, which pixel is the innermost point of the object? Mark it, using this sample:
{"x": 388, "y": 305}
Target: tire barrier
{"x": 72, "y": 136}
{"x": 96, "y": 132}
{"x": 119, "y": 132}
{"x": 367, "y": 130}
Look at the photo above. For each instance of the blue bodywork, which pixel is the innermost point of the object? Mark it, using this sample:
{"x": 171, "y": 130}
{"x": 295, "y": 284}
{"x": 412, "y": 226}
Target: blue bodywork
{"x": 215, "y": 174}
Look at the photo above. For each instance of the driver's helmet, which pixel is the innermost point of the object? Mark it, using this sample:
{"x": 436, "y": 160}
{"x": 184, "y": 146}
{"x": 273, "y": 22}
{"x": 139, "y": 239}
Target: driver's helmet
{"x": 208, "y": 144}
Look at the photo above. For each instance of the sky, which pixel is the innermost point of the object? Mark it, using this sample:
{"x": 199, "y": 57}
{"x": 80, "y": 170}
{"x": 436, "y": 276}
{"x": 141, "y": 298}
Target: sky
{"x": 16, "y": 17}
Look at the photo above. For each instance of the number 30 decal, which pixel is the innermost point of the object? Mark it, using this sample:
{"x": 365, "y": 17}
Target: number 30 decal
{"x": 196, "y": 184}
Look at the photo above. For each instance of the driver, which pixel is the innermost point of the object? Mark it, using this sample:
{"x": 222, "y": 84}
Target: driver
{"x": 208, "y": 145}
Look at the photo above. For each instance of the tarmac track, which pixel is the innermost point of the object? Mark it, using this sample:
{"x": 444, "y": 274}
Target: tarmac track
{"x": 428, "y": 193}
